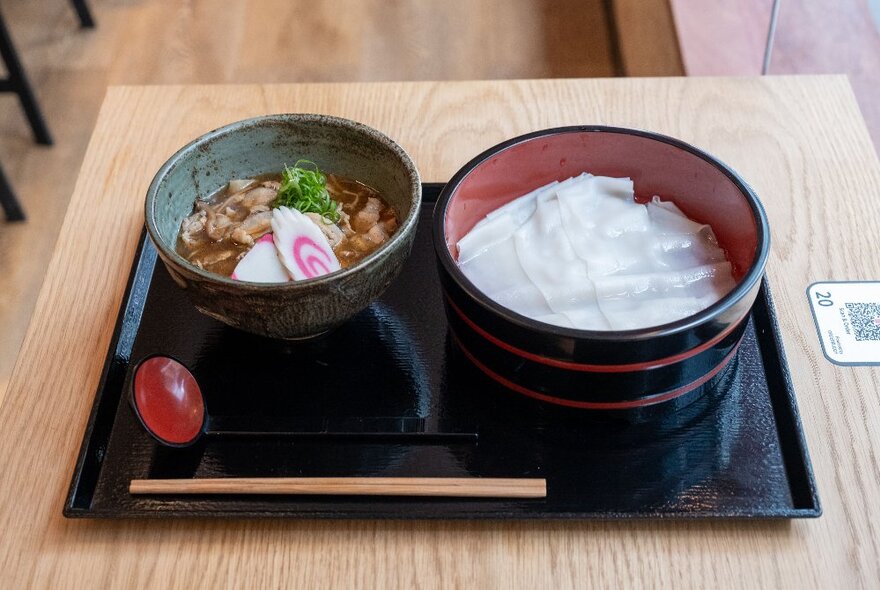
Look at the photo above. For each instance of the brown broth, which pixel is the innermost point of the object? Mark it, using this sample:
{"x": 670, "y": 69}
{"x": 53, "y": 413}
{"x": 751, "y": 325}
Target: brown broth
{"x": 367, "y": 222}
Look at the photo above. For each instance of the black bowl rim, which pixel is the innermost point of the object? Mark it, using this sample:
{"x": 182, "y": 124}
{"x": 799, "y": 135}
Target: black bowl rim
{"x": 743, "y": 288}
{"x": 406, "y": 227}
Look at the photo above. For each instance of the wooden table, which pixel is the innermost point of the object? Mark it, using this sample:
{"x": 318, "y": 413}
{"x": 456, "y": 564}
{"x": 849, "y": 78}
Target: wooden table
{"x": 799, "y": 141}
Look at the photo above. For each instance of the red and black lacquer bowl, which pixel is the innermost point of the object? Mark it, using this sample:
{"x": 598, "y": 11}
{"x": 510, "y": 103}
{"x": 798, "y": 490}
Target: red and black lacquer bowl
{"x": 671, "y": 364}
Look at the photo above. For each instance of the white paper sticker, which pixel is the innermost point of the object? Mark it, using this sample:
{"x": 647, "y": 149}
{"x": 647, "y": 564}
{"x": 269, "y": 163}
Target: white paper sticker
{"x": 847, "y": 316}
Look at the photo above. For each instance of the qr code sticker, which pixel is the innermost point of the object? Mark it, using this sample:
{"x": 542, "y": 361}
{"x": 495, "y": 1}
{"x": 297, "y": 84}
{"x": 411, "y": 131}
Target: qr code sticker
{"x": 865, "y": 318}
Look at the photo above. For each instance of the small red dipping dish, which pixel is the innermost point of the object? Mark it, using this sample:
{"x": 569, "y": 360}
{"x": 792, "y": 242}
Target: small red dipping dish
{"x": 168, "y": 401}
{"x": 671, "y": 364}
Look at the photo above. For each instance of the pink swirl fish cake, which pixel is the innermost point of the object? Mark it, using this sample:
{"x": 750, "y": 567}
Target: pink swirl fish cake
{"x": 302, "y": 247}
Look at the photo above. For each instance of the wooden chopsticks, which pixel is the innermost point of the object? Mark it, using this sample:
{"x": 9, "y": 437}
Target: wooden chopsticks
{"x": 453, "y": 487}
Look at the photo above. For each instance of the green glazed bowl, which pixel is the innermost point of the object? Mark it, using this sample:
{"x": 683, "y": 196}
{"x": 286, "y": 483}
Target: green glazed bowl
{"x": 298, "y": 309}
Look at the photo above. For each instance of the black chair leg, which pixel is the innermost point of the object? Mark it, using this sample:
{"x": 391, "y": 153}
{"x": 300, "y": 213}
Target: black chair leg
{"x": 11, "y": 206}
{"x": 17, "y": 82}
{"x": 85, "y": 15}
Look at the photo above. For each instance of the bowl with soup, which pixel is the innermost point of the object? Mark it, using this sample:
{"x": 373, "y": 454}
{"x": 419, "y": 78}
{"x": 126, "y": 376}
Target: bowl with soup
{"x": 600, "y": 268}
{"x": 285, "y": 225}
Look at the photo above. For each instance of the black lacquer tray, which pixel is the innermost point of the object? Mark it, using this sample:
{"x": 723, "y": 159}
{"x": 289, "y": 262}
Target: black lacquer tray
{"x": 736, "y": 453}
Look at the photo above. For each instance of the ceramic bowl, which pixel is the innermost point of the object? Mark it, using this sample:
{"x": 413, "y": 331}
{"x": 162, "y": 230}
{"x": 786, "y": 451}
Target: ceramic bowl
{"x": 603, "y": 370}
{"x": 298, "y": 309}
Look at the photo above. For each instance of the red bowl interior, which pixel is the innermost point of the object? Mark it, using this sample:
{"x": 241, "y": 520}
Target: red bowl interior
{"x": 701, "y": 189}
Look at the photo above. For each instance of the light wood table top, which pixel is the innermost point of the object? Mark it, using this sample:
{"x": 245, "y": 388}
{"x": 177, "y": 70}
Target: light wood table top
{"x": 800, "y": 142}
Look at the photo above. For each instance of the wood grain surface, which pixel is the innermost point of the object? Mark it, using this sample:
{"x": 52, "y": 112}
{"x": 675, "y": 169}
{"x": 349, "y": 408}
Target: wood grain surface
{"x": 799, "y": 141}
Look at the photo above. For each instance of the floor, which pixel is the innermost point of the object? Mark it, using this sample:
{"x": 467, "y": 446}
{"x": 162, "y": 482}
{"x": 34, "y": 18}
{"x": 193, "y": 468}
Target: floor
{"x": 723, "y": 38}
{"x": 214, "y": 41}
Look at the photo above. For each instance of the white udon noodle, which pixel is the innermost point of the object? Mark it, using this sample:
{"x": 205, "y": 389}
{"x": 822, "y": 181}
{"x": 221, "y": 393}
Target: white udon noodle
{"x": 583, "y": 254}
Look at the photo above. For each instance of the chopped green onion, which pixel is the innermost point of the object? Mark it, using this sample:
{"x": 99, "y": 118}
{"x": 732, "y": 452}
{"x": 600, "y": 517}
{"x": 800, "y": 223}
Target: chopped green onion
{"x": 304, "y": 187}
